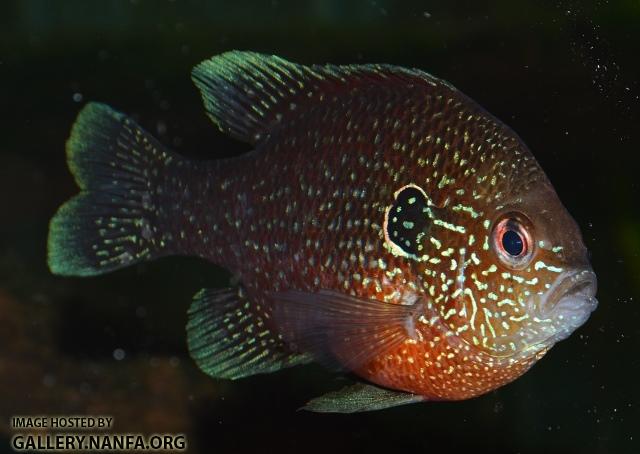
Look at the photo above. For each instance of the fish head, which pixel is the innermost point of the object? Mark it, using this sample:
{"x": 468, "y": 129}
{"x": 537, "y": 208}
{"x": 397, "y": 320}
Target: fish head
{"x": 525, "y": 283}
{"x": 542, "y": 258}
{"x": 498, "y": 256}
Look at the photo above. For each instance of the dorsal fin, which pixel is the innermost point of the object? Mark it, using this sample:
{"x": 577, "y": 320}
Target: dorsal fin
{"x": 246, "y": 93}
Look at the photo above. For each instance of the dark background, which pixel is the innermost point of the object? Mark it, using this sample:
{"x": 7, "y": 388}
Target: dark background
{"x": 562, "y": 74}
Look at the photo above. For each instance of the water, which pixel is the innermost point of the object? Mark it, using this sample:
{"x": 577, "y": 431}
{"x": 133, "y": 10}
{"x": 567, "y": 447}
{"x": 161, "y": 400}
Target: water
{"x": 563, "y": 75}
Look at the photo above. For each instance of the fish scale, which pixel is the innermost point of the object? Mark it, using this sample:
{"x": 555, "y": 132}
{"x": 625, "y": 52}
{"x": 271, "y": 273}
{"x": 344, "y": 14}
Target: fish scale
{"x": 367, "y": 230}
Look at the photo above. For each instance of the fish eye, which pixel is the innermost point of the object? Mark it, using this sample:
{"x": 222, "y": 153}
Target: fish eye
{"x": 512, "y": 240}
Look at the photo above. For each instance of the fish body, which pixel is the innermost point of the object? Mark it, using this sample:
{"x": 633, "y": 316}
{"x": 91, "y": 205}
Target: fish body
{"x": 384, "y": 224}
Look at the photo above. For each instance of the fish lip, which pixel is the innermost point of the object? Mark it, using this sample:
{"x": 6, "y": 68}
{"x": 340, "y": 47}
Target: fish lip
{"x": 577, "y": 285}
{"x": 569, "y": 303}
{"x": 557, "y": 313}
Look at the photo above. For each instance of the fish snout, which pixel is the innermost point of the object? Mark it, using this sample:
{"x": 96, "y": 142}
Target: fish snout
{"x": 569, "y": 303}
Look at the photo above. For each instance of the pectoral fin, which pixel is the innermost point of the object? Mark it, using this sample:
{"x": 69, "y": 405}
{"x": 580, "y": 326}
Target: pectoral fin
{"x": 343, "y": 331}
{"x": 360, "y": 397}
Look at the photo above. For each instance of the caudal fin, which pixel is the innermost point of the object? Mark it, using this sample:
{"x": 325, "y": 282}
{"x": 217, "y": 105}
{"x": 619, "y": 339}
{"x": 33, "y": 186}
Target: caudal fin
{"x": 111, "y": 222}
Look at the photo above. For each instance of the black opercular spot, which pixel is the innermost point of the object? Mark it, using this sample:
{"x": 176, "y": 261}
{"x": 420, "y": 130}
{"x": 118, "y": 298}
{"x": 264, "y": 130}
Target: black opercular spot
{"x": 408, "y": 220}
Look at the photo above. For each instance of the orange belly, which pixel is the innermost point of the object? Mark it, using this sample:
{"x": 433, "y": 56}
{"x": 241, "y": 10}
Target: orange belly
{"x": 439, "y": 370}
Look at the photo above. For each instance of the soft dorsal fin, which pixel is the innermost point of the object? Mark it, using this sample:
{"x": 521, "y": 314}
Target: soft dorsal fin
{"x": 246, "y": 93}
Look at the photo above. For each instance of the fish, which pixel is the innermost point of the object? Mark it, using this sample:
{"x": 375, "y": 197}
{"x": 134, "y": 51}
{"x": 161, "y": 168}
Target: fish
{"x": 383, "y": 225}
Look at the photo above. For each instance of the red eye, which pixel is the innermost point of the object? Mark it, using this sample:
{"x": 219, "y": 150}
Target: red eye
{"x": 512, "y": 240}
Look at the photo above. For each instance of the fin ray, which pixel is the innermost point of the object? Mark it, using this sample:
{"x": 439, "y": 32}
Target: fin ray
{"x": 222, "y": 335}
{"x": 108, "y": 224}
{"x": 342, "y": 331}
{"x": 360, "y": 397}
{"x": 246, "y": 94}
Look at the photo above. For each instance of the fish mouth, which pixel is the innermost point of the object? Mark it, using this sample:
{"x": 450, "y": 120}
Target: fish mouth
{"x": 555, "y": 314}
{"x": 567, "y": 305}
{"x": 581, "y": 284}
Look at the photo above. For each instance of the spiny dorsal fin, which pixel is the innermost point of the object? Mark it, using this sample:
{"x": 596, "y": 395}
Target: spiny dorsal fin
{"x": 227, "y": 339}
{"x": 246, "y": 93}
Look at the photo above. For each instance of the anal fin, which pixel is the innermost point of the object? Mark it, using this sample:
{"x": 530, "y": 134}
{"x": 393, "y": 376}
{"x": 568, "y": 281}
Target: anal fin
{"x": 360, "y": 397}
{"x": 228, "y": 339}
